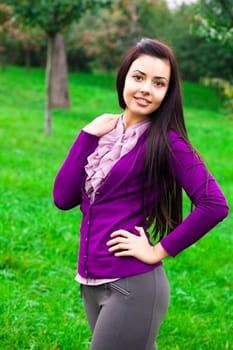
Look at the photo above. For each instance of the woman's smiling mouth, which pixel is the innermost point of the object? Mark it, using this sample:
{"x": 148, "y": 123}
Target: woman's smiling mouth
{"x": 142, "y": 101}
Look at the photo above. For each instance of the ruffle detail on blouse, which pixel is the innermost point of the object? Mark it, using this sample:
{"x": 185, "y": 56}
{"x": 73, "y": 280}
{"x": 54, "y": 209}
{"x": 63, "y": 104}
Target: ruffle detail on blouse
{"x": 111, "y": 147}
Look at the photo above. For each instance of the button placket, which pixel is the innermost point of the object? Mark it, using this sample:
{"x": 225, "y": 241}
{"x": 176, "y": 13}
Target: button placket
{"x": 86, "y": 243}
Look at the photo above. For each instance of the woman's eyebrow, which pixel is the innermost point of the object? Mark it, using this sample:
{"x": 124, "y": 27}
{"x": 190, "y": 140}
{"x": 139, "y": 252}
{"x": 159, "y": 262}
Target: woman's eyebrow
{"x": 162, "y": 78}
{"x": 137, "y": 70}
{"x": 156, "y": 77}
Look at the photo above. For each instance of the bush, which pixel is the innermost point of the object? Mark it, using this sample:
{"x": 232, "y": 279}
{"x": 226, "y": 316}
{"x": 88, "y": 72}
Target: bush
{"x": 224, "y": 89}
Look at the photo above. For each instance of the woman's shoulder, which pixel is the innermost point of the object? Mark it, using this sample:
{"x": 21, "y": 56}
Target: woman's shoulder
{"x": 109, "y": 116}
{"x": 179, "y": 142}
{"x": 174, "y": 135}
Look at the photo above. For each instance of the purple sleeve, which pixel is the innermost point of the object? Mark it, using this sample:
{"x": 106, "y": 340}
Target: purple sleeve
{"x": 68, "y": 182}
{"x": 202, "y": 189}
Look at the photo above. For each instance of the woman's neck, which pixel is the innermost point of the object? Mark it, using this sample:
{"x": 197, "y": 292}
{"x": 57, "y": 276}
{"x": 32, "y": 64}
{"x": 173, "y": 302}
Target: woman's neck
{"x": 129, "y": 120}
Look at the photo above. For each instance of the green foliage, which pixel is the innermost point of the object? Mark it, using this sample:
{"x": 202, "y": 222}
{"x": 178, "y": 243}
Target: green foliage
{"x": 52, "y": 16}
{"x": 41, "y": 307}
{"x": 98, "y": 41}
{"x": 104, "y": 36}
{"x": 5, "y": 13}
{"x": 99, "y": 36}
{"x": 15, "y": 39}
{"x": 153, "y": 18}
{"x": 224, "y": 90}
{"x": 215, "y": 21}
{"x": 197, "y": 58}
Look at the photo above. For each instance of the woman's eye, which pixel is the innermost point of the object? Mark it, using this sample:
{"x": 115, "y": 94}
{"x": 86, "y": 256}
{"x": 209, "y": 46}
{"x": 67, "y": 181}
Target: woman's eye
{"x": 159, "y": 83}
{"x": 137, "y": 77}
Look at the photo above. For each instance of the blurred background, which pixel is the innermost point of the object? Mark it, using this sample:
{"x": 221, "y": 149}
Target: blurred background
{"x": 92, "y": 35}
{"x": 97, "y": 33}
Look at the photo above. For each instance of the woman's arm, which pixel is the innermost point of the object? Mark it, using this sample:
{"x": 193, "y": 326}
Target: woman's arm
{"x": 68, "y": 182}
{"x": 204, "y": 192}
{"x": 210, "y": 208}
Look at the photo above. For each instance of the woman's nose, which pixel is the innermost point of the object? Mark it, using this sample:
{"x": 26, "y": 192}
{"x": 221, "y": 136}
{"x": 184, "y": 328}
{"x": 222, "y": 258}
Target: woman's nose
{"x": 146, "y": 87}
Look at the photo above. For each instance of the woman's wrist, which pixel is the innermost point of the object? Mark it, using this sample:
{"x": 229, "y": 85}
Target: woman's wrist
{"x": 159, "y": 252}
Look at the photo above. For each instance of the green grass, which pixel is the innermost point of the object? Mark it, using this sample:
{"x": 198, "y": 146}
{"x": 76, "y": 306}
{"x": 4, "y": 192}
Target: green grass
{"x": 40, "y": 303}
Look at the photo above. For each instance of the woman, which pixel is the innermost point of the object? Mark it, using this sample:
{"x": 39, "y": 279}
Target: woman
{"x": 126, "y": 172}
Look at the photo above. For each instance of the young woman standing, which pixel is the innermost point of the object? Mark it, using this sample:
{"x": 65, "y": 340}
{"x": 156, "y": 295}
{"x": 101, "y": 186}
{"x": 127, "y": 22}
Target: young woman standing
{"x": 127, "y": 172}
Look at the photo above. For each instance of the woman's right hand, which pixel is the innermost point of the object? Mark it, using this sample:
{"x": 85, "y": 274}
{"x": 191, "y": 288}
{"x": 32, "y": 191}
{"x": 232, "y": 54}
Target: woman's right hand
{"x": 102, "y": 124}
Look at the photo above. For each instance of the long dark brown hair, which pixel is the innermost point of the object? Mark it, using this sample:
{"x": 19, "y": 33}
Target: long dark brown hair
{"x": 158, "y": 174}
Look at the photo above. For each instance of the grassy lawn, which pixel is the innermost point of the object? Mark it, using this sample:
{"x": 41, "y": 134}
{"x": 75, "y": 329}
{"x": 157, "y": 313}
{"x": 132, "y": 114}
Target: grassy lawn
{"x": 40, "y": 302}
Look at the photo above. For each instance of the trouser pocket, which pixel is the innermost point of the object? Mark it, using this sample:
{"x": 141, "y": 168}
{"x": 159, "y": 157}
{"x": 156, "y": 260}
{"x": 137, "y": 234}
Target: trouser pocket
{"x": 115, "y": 286}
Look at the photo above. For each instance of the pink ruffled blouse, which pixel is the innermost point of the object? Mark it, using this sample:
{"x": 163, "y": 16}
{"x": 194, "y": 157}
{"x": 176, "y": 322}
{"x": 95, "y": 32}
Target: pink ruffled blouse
{"x": 110, "y": 149}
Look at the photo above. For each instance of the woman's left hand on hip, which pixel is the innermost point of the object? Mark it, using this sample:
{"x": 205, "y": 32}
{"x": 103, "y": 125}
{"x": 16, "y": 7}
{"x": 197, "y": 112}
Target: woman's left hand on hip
{"x": 125, "y": 243}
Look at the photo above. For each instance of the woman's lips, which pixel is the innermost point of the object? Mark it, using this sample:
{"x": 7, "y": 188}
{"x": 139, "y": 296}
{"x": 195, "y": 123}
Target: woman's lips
{"x": 142, "y": 101}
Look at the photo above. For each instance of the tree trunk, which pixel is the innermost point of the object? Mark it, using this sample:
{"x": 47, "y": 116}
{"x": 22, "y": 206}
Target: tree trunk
{"x": 3, "y": 66}
{"x": 48, "y": 107}
{"x": 27, "y": 60}
{"x": 60, "y": 94}
{"x": 56, "y": 78}
{"x": 3, "y": 58}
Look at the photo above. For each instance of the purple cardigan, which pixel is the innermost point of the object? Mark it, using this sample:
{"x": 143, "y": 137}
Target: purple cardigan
{"x": 118, "y": 204}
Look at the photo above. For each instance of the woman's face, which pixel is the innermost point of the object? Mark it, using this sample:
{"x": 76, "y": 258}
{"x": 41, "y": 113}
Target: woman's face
{"x": 146, "y": 84}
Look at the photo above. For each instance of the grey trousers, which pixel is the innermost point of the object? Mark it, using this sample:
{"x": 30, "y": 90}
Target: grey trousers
{"x": 126, "y": 314}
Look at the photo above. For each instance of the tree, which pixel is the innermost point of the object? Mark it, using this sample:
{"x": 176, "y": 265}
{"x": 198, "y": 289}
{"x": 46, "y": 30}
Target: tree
{"x": 197, "y": 58}
{"x": 103, "y": 37}
{"x": 5, "y": 28}
{"x": 53, "y": 17}
{"x": 13, "y": 36}
{"x": 30, "y": 41}
{"x": 153, "y": 17}
{"x": 215, "y": 20}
